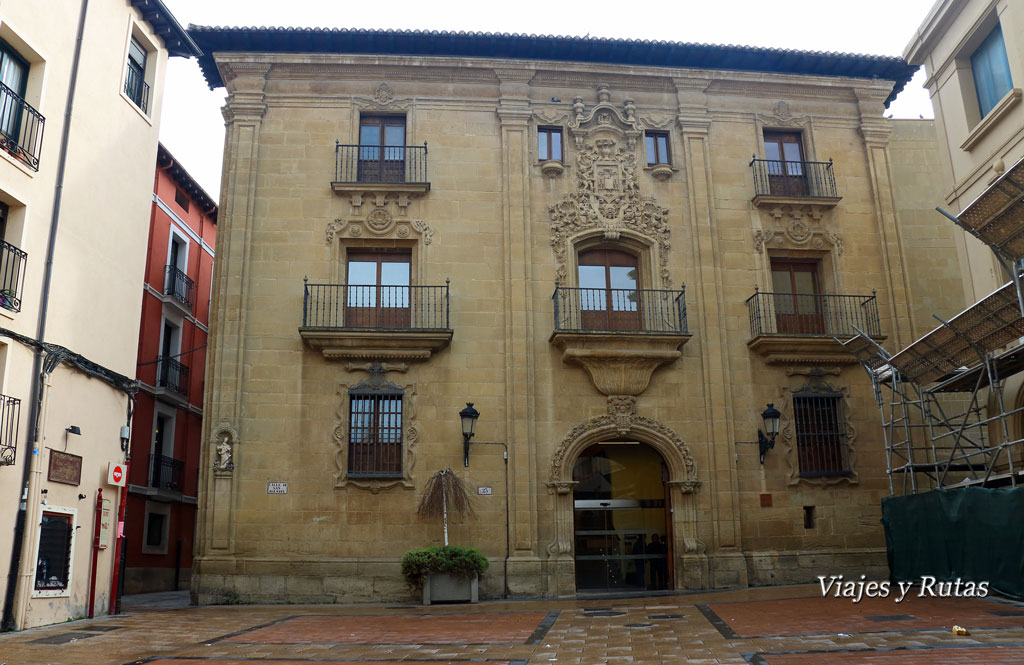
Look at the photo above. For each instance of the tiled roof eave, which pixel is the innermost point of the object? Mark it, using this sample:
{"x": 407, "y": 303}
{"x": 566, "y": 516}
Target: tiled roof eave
{"x": 534, "y": 47}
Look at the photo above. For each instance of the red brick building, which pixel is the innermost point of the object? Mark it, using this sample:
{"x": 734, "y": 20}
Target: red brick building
{"x": 163, "y": 474}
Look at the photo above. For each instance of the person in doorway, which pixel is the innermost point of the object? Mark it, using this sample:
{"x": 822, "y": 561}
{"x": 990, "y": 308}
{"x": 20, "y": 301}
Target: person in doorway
{"x": 659, "y": 569}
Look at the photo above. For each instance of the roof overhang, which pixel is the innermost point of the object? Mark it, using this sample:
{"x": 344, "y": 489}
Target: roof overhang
{"x": 543, "y": 47}
{"x": 176, "y": 39}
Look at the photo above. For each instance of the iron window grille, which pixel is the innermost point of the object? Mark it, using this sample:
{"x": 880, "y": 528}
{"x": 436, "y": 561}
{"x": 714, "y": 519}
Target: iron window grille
{"x": 10, "y": 418}
{"x": 53, "y": 563}
{"x": 820, "y": 425}
{"x": 375, "y": 433}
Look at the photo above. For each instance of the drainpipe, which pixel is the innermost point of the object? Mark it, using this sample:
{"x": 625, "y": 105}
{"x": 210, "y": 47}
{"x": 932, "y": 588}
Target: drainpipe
{"x": 19, "y": 548}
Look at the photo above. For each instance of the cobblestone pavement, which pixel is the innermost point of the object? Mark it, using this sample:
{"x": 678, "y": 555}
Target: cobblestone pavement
{"x": 766, "y": 626}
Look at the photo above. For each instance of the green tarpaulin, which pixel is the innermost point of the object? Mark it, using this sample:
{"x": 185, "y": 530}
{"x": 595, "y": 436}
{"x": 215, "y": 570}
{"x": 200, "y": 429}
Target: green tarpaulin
{"x": 972, "y": 533}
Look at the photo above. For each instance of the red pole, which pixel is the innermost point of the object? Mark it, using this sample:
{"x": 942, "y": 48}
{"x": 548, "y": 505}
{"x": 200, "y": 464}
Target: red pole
{"x": 117, "y": 547}
{"x": 95, "y": 549}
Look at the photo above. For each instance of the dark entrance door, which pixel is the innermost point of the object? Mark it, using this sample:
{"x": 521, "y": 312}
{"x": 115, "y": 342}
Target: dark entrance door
{"x": 621, "y": 535}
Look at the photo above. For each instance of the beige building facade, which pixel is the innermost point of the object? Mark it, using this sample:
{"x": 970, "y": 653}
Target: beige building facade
{"x": 75, "y": 198}
{"x": 620, "y": 265}
{"x": 973, "y": 54}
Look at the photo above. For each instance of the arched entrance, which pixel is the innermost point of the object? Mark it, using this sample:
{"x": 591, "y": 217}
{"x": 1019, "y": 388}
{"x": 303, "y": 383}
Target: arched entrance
{"x": 621, "y": 534}
{"x": 686, "y": 555}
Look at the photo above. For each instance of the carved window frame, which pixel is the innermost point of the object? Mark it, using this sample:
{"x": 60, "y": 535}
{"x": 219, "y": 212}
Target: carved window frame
{"x": 638, "y": 246}
{"x": 787, "y": 430}
{"x": 410, "y": 434}
{"x": 782, "y": 120}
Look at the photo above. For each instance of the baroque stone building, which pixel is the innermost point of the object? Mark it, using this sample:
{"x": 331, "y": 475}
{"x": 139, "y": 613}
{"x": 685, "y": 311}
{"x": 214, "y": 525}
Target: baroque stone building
{"x": 621, "y": 253}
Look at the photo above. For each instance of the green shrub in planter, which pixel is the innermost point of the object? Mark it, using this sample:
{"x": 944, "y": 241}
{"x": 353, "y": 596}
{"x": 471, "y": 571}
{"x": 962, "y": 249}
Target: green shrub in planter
{"x": 458, "y": 561}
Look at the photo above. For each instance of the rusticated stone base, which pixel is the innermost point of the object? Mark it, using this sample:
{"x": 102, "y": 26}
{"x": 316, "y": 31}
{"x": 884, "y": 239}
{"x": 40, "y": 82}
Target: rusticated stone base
{"x": 804, "y": 566}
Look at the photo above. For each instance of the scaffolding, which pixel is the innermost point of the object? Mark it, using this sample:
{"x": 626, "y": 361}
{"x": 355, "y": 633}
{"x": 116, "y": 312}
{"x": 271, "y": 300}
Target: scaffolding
{"x": 945, "y": 417}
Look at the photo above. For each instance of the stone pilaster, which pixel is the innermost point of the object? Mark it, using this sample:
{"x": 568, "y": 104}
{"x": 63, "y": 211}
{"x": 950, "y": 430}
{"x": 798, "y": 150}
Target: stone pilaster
{"x": 243, "y": 117}
{"x": 514, "y": 113}
{"x": 876, "y": 131}
{"x": 694, "y": 123}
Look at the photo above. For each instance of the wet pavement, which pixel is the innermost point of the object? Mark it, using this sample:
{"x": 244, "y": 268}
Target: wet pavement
{"x": 765, "y": 626}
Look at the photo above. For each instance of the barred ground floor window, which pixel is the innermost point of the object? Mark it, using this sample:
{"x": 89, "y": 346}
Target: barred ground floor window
{"x": 375, "y": 434}
{"x": 821, "y": 435}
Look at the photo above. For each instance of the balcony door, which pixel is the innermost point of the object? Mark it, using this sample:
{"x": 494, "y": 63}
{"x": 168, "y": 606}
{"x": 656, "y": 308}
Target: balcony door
{"x": 798, "y": 301}
{"x": 13, "y": 76}
{"x": 785, "y": 155}
{"x": 377, "y": 291}
{"x": 608, "y": 290}
{"x": 382, "y": 149}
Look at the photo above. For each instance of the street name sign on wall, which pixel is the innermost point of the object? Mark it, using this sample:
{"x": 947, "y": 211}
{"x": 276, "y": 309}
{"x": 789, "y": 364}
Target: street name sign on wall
{"x": 277, "y": 488}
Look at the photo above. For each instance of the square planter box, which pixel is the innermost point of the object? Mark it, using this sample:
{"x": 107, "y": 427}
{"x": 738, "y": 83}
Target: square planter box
{"x": 445, "y": 588}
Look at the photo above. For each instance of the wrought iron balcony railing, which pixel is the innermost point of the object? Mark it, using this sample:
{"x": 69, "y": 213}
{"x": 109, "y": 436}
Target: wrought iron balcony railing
{"x": 21, "y": 128}
{"x": 172, "y": 375}
{"x": 812, "y": 315}
{"x": 402, "y": 164}
{"x": 620, "y": 310}
{"x": 10, "y": 419}
{"x": 137, "y": 89}
{"x": 12, "y": 276}
{"x": 166, "y": 473}
{"x": 179, "y": 286}
{"x": 344, "y": 306}
{"x": 802, "y": 179}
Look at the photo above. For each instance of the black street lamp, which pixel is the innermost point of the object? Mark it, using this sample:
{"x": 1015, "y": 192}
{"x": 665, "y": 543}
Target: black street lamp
{"x": 771, "y": 417}
{"x": 469, "y": 416}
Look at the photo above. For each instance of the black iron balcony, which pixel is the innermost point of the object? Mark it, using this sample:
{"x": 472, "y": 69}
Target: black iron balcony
{"x": 806, "y": 180}
{"x": 166, "y": 473}
{"x": 394, "y": 322}
{"x": 172, "y": 375}
{"x": 21, "y": 128}
{"x": 179, "y": 286}
{"x": 620, "y": 310}
{"x": 10, "y": 419}
{"x": 812, "y": 315}
{"x": 137, "y": 89}
{"x": 382, "y": 165}
{"x": 341, "y": 306}
{"x": 12, "y": 276}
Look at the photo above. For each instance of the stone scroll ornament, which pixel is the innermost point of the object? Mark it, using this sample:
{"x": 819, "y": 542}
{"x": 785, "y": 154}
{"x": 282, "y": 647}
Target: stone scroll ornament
{"x": 607, "y": 195}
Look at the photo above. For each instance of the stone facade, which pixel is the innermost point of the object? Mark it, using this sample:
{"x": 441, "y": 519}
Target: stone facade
{"x": 505, "y": 227}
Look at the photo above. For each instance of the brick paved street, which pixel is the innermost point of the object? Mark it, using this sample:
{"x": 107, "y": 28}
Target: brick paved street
{"x": 765, "y": 626}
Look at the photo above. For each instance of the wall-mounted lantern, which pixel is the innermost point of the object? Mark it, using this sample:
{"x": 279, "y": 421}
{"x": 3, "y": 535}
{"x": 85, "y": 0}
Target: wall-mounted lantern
{"x": 771, "y": 417}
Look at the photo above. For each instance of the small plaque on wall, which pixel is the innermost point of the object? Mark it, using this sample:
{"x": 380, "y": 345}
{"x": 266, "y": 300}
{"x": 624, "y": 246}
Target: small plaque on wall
{"x": 65, "y": 468}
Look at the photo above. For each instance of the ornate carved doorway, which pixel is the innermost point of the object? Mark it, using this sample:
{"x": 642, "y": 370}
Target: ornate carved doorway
{"x": 622, "y": 537}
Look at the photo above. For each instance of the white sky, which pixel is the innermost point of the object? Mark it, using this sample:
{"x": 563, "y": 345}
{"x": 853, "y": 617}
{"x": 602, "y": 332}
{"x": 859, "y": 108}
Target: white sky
{"x": 192, "y": 127}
